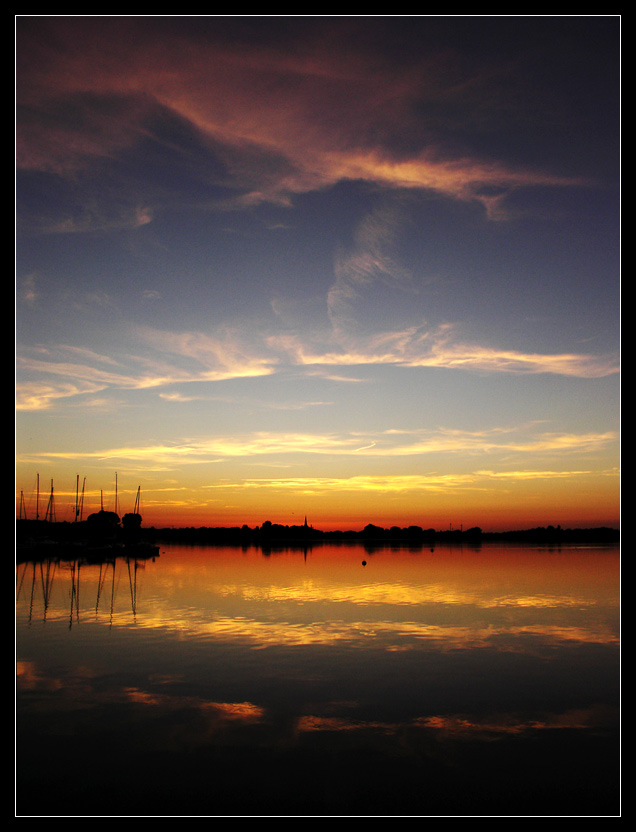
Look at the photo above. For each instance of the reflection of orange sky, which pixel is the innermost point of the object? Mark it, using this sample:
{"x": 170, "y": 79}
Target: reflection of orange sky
{"x": 446, "y": 598}
{"x": 406, "y": 607}
{"x": 464, "y": 573}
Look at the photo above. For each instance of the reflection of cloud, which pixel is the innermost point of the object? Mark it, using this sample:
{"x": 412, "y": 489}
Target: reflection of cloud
{"x": 492, "y": 610}
{"x": 388, "y": 635}
{"x": 468, "y": 726}
{"x": 230, "y": 711}
{"x": 30, "y": 677}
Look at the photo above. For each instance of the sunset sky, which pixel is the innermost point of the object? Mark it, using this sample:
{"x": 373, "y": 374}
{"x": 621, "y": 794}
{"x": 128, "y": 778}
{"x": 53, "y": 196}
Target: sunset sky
{"x": 359, "y": 269}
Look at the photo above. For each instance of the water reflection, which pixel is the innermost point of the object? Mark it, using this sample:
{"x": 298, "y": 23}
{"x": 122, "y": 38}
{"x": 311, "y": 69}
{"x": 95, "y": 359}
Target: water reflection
{"x": 221, "y": 681}
{"x": 36, "y": 580}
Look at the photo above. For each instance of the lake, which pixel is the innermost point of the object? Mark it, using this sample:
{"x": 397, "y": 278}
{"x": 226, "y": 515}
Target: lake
{"x": 337, "y": 680}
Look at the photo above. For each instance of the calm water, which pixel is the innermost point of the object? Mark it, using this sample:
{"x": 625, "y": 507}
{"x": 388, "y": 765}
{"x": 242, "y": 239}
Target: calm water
{"x": 338, "y": 681}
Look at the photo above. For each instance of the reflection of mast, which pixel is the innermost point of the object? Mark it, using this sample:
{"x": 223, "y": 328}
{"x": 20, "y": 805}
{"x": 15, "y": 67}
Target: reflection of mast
{"x": 46, "y": 580}
{"x": 74, "y": 593}
{"x": 47, "y": 583}
{"x": 133, "y": 587}
{"x": 42, "y": 573}
{"x": 100, "y": 584}
{"x": 112, "y": 594}
{"x": 32, "y": 595}
{"x": 103, "y": 574}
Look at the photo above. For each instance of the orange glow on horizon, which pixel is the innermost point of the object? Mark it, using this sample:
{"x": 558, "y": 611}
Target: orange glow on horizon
{"x": 329, "y": 508}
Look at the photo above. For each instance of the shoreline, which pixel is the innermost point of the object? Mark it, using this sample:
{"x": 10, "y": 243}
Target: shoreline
{"x": 270, "y": 533}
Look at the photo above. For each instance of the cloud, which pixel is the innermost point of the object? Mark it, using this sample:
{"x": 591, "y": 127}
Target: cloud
{"x": 225, "y": 354}
{"x": 39, "y": 395}
{"x": 123, "y": 217}
{"x": 474, "y": 357}
{"x": 192, "y": 357}
{"x": 420, "y": 347}
{"x": 387, "y": 443}
{"x": 369, "y": 262}
{"x": 91, "y": 90}
{"x": 397, "y": 483}
{"x": 28, "y": 292}
{"x": 46, "y": 376}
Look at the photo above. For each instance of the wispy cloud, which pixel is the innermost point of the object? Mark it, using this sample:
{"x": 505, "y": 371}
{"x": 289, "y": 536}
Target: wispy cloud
{"x": 227, "y": 353}
{"x": 397, "y": 484}
{"x": 369, "y": 262}
{"x": 439, "y": 347}
{"x": 372, "y": 261}
{"x": 28, "y": 291}
{"x": 122, "y": 218}
{"x": 191, "y": 357}
{"x": 39, "y": 395}
{"x": 265, "y": 123}
{"x": 388, "y": 443}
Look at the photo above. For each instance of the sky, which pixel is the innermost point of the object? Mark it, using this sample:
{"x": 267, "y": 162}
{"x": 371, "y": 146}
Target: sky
{"x": 354, "y": 269}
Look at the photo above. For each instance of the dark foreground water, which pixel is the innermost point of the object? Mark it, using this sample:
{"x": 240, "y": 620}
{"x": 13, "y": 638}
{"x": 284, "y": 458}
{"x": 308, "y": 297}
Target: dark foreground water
{"x": 337, "y": 681}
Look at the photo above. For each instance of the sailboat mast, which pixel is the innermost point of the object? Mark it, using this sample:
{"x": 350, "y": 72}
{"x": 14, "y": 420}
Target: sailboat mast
{"x": 50, "y": 507}
{"x": 81, "y": 505}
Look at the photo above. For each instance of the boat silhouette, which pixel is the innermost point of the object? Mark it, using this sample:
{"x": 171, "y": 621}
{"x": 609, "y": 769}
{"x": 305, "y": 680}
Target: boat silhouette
{"x": 102, "y": 535}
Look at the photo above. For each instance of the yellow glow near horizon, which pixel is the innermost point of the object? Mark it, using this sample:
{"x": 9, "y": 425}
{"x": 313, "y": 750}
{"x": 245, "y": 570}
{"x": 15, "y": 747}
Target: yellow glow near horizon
{"x": 493, "y": 501}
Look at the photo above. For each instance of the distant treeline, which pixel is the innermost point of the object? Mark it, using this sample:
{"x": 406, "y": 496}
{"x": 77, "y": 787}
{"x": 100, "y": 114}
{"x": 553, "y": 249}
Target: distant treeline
{"x": 273, "y": 533}
{"x": 104, "y": 524}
